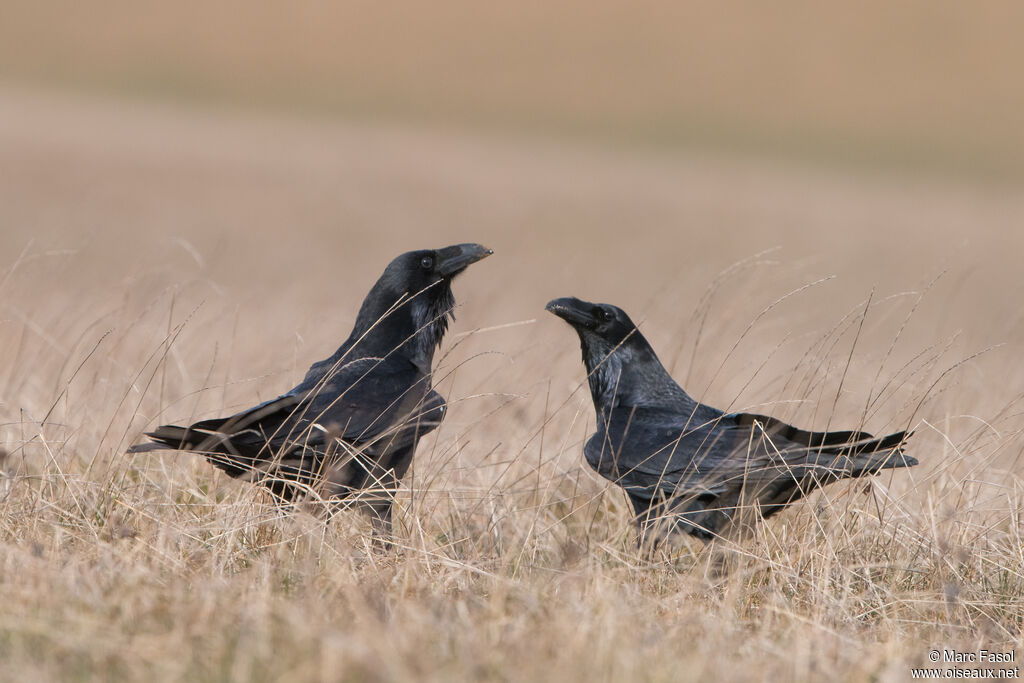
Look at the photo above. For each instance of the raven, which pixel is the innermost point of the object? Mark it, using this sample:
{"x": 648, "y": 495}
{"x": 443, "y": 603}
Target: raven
{"x": 688, "y": 467}
{"x": 350, "y": 428}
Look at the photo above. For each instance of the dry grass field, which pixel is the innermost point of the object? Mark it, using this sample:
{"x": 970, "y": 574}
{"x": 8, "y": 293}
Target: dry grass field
{"x": 814, "y": 212}
{"x": 162, "y": 265}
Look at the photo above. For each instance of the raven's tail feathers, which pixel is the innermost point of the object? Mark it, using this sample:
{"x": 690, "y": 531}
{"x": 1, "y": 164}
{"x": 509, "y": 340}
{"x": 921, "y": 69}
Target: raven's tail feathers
{"x": 853, "y": 444}
{"x": 173, "y": 437}
{"x": 881, "y": 454}
{"x": 897, "y": 440}
{"x": 148, "y": 447}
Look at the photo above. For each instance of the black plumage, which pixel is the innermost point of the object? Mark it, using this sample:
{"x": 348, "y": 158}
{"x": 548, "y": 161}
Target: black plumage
{"x": 351, "y": 426}
{"x": 688, "y": 467}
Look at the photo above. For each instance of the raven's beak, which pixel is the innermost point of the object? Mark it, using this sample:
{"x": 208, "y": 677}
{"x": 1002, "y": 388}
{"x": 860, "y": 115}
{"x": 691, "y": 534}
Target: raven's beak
{"x": 572, "y": 310}
{"x": 456, "y": 258}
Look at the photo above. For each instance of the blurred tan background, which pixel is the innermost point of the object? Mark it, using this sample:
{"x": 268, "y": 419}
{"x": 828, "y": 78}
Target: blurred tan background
{"x": 267, "y": 159}
{"x": 926, "y": 84}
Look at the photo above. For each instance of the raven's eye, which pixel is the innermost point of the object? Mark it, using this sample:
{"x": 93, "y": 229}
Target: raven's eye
{"x": 427, "y": 262}
{"x": 607, "y": 316}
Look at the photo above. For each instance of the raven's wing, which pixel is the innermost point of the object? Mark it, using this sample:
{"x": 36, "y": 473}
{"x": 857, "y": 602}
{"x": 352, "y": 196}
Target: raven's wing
{"x": 232, "y": 433}
{"x": 372, "y": 400}
{"x": 707, "y": 459}
{"x": 366, "y": 402}
{"x": 658, "y": 444}
{"x": 656, "y": 452}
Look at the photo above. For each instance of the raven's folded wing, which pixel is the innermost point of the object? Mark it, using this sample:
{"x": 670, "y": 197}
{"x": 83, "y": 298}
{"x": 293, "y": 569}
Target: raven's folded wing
{"x": 362, "y": 402}
{"x": 208, "y": 435}
{"x": 707, "y": 450}
{"x": 371, "y": 399}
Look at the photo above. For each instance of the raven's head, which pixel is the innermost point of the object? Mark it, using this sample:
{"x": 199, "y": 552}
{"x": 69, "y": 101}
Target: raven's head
{"x": 601, "y": 326}
{"x": 412, "y": 302}
{"x": 622, "y": 368}
{"x": 609, "y": 339}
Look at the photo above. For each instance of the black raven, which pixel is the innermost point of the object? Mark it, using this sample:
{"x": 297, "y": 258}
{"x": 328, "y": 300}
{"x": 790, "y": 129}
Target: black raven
{"x": 688, "y": 467}
{"x": 351, "y": 426}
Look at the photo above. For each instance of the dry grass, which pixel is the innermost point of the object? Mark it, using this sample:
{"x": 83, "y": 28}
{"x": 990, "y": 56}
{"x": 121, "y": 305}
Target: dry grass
{"x": 160, "y": 266}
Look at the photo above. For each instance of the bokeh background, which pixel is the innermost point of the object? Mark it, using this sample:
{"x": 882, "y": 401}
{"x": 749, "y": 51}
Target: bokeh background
{"x": 266, "y": 160}
{"x": 907, "y": 84}
{"x": 814, "y": 210}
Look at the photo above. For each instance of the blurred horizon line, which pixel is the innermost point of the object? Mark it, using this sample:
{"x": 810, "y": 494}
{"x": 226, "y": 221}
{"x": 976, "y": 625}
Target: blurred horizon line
{"x": 874, "y": 155}
{"x": 920, "y": 87}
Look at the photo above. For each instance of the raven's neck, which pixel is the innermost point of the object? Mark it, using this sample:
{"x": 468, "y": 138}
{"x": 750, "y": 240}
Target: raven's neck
{"x": 390, "y": 326}
{"x": 408, "y": 326}
{"x": 630, "y": 375}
